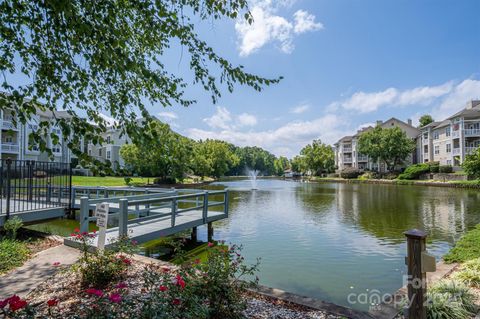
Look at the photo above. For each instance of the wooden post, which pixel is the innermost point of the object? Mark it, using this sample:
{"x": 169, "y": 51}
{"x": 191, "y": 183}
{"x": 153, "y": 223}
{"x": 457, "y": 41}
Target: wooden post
{"x": 194, "y": 234}
{"x": 174, "y": 211}
{"x": 205, "y": 207}
{"x": 210, "y": 231}
{"x": 225, "y": 208}
{"x": 417, "y": 283}
{"x": 123, "y": 217}
{"x": 84, "y": 214}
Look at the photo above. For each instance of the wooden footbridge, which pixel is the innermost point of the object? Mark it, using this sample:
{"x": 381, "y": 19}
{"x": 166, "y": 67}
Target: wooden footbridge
{"x": 145, "y": 214}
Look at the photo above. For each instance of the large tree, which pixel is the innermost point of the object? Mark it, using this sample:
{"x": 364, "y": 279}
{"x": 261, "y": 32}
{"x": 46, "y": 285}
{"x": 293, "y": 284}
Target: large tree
{"x": 89, "y": 57}
{"x": 425, "y": 120}
{"x": 471, "y": 164}
{"x": 318, "y": 157}
{"x": 213, "y": 158}
{"x": 281, "y": 164}
{"x": 389, "y": 145}
{"x": 163, "y": 154}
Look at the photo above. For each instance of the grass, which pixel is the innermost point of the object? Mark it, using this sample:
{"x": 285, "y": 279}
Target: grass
{"x": 469, "y": 273}
{"x": 13, "y": 254}
{"x": 467, "y": 248}
{"x": 119, "y": 181}
{"x": 107, "y": 180}
{"x": 450, "y": 299}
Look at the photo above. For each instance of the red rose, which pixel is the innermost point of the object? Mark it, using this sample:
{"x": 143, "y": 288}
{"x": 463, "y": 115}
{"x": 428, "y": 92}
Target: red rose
{"x": 52, "y": 302}
{"x": 176, "y": 301}
{"x": 163, "y": 288}
{"x": 17, "y": 304}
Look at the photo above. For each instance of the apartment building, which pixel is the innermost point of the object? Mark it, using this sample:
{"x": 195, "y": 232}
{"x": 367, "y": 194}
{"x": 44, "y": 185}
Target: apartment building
{"x": 450, "y": 141}
{"x": 110, "y": 150}
{"x": 14, "y": 138}
{"x": 346, "y": 149}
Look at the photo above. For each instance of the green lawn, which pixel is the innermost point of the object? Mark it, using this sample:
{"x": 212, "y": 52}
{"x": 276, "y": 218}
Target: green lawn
{"x": 107, "y": 180}
{"x": 467, "y": 248}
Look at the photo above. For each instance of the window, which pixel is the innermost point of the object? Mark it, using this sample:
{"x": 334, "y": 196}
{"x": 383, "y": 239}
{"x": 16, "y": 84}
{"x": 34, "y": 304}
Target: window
{"x": 8, "y": 139}
{"x": 437, "y": 149}
{"x": 425, "y": 136}
{"x": 449, "y": 162}
{"x": 108, "y": 139}
{"x": 448, "y": 131}
{"x": 100, "y": 152}
{"x": 56, "y": 149}
{"x": 435, "y": 135}
{"x": 448, "y": 148}
{"x": 108, "y": 154}
{"x": 425, "y": 148}
{"x": 90, "y": 152}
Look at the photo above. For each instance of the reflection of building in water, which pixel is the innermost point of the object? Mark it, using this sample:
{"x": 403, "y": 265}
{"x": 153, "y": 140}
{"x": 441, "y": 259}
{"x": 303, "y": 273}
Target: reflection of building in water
{"x": 386, "y": 210}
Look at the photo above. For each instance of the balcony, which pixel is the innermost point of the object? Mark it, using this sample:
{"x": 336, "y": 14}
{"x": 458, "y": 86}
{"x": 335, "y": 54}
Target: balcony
{"x": 472, "y": 132}
{"x": 10, "y": 148}
{"x": 347, "y": 159}
{"x": 347, "y": 149}
{"x": 8, "y": 125}
{"x": 470, "y": 150}
{"x": 456, "y": 151}
{"x": 455, "y": 134}
{"x": 362, "y": 158}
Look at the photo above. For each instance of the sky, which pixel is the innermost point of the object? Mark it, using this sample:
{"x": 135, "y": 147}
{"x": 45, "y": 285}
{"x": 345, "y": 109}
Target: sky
{"x": 345, "y": 63}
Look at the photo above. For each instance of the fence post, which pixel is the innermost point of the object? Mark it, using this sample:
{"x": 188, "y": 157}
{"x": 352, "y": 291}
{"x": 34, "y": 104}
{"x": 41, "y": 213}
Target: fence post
{"x": 417, "y": 283}
{"x": 174, "y": 211}
{"x": 123, "y": 217}
{"x": 205, "y": 207}
{"x": 84, "y": 214}
{"x": 7, "y": 204}
{"x": 226, "y": 203}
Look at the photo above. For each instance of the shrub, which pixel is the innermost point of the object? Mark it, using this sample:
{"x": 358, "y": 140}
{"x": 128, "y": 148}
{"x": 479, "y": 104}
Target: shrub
{"x": 434, "y": 167}
{"x": 101, "y": 267}
{"x": 414, "y": 171}
{"x": 467, "y": 248}
{"x": 369, "y": 175}
{"x": 12, "y": 254}
{"x": 350, "y": 173}
{"x": 127, "y": 180}
{"x": 12, "y": 226}
{"x": 164, "y": 180}
{"x": 471, "y": 164}
{"x": 450, "y": 299}
{"x": 469, "y": 273}
{"x": 445, "y": 169}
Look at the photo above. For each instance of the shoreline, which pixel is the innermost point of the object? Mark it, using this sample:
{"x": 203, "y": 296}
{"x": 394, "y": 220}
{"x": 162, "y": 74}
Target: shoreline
{"x": 396, "y": 182}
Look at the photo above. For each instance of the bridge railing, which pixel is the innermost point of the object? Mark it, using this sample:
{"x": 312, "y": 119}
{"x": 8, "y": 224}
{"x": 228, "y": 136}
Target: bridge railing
{"x": 150, "y": 204}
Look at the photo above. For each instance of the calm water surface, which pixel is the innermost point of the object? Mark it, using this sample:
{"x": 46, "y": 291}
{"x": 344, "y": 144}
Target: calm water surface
{"x": 328, "y": 240}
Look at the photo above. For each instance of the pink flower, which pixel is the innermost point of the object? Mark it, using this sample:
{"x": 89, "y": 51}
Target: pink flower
{"x": 121, "y": 285}
{"x": 52, "y": 302}
{"x": 125, "y": 260}
{"x": 180, "y": 281}
{"x": 56, "y": 264}
{"x": 76, "y": 230}
{"x": 163, "y": 288}
{"x": 115, "y": 298}
{"x": 93, "y": 291}
{"x": 210, "y": 244}
{"x": 176, "y": 301}
{"x": 165, "y": 269}
{"x": 15, "y": 303}
{"x": 3, "y": 303}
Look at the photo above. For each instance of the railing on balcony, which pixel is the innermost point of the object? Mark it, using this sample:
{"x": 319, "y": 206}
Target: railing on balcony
{"x": 10, "y": 147}
{"x": 456, "y": 151}
{"x": 472, "y": 132}
{"x": 470, "y": 150}
{"x": 347, "y": 159}
{"x": 456, "y": 134}
{"x": 362, "y": 158}
{"x": 347, "y": 149}
{"x": 8, "y": 125}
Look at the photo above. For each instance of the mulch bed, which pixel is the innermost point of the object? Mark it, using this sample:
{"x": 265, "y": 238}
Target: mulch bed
{"x": 65, "y": 287}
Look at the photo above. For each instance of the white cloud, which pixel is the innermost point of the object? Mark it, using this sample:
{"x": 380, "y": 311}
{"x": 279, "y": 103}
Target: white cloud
{"x": 221, "y": 119}
{"x": 287, "y": 138}
{"x": 246, "y": 119}
{"x": 270, "y": 27}
{"x": 302, "y": 108}
{"x": 461, "y": 93}
{"x": 168, "y": 115}
{"x": 365, "y": 102}
{"x": 305, "y": 22}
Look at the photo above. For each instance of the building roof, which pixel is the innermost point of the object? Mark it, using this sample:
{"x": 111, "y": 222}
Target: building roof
{"x": 467, "y": 112}
{"x": 432, "y": 125}
{"x": 345, "y": 138}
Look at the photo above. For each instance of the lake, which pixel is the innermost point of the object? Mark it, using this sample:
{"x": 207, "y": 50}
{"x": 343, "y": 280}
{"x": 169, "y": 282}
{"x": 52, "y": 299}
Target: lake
{"x": 329, "y": 240}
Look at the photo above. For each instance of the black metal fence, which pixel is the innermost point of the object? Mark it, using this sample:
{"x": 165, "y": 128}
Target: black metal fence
{"x": 32, "y": 185}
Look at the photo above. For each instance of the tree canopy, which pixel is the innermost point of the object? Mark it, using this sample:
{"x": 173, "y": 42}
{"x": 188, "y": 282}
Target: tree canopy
{"x": 389, "y": 145}
{"x": 92, "y": 57}
{"x": 318, "y": 157}
{"x": 425, "y": 120}
{"x": 471, "y": 164}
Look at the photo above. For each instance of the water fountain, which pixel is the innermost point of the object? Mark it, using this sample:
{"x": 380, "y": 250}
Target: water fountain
{"x": 253, "y": 177}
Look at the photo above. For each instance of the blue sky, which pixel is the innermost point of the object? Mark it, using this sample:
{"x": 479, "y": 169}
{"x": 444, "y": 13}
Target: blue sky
{"x": 346, "y": 63}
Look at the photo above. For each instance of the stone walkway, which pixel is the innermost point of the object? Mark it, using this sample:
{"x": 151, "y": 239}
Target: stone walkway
{"x": 36, "y": 270}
